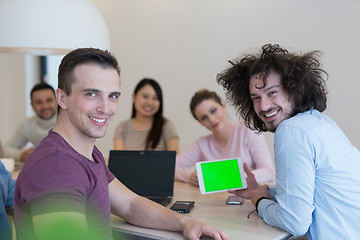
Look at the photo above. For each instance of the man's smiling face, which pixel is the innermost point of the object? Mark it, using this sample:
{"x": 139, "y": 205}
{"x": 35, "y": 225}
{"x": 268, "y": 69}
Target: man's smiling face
{"x": 270, "y": 101}
{"x": 93, "y": 100}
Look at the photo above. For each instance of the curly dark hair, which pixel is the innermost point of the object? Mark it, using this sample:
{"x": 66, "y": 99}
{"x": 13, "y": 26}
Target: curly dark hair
{"x": 301, "y": 78}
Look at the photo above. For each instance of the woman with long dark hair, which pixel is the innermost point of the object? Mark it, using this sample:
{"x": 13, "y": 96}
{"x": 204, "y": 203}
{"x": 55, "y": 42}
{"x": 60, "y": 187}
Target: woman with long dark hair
{"x": 147, "y": 129}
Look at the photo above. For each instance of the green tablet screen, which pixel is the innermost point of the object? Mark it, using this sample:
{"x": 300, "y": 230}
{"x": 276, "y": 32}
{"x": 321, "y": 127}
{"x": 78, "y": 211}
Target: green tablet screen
{"x": 221, "y": 175}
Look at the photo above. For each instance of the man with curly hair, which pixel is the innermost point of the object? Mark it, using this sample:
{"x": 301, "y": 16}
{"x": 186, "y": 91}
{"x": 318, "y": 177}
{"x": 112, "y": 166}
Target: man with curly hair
{"x": 317, "y": 168}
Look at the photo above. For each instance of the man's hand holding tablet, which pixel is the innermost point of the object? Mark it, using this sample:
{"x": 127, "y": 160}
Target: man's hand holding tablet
{"x": 221, "y": 175}
{"x": 254, "y": 190}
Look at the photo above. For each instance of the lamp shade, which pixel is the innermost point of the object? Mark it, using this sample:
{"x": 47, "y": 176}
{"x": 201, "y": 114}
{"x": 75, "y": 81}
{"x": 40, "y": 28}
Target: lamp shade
{"x": 44, "y": 27}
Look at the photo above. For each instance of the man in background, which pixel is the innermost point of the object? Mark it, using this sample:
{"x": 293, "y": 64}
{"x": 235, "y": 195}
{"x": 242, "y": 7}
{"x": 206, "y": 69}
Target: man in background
{"x": 317, "y": 167}
{"x": 33, "y": 129}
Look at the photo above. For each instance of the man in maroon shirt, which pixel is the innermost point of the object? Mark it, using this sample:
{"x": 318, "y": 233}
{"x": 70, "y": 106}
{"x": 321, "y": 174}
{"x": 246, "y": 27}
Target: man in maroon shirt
{"x": 65, "y": 182}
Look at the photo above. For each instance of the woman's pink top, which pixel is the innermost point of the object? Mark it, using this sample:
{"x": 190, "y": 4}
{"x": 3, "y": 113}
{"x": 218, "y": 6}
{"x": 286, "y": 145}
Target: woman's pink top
{"x": 243, "y": 142}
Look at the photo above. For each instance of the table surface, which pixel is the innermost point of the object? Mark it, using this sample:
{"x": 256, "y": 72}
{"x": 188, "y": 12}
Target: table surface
{"x": 210, "y": 208}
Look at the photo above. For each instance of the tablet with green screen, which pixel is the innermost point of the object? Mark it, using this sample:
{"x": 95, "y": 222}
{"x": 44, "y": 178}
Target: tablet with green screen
{"x": 221, "y": 175}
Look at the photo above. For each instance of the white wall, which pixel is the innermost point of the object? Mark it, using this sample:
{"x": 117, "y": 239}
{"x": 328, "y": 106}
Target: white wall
{"x": 12, "y": 93}
{"x": 183, "y": 44}
{"x": 17, "y": 73}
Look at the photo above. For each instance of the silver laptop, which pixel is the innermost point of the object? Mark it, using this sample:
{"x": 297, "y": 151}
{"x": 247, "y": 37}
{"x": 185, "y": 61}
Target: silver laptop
{"x": 148, "y": 173}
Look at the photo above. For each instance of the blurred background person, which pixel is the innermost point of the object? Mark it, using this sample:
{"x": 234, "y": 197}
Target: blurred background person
{"x": 227, "y": 140}
{"x": 36, "y": 128}
{"x": 147, "y": 129}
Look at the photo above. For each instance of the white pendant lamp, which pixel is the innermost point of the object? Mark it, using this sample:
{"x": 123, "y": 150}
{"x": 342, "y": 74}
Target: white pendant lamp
{"x": 46, "y": 27}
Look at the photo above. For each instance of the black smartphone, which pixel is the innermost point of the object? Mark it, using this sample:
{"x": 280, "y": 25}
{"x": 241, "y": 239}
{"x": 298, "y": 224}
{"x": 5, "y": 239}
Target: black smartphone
{"x": 182, "y": 206}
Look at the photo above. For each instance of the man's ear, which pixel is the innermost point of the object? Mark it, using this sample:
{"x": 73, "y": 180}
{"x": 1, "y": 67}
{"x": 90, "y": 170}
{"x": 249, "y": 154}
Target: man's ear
{"x": 61, "y": 98}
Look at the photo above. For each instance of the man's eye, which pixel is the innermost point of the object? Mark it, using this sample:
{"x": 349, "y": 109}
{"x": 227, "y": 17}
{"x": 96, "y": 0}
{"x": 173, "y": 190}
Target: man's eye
{"x": 114, "y": 97}
{"x": 255, "y": 99}
{"x": 91, "y": 94}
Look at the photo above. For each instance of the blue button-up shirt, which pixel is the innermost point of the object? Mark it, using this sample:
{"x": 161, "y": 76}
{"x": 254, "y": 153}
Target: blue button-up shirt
{"x": 7, "y": 188}
{"x": 317, "y": 180}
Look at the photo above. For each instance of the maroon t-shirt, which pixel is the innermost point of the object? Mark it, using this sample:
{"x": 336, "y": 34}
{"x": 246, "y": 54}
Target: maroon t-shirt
{"x": 55, "y": 178}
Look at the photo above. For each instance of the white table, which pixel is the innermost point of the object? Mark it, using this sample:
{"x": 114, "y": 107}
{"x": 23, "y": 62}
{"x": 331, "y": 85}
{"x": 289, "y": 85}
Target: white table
{"x": 211, "y": 208}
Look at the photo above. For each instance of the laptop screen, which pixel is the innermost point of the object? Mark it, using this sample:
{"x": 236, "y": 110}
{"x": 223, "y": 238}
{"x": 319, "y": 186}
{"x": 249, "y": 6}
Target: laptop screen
{"x": 147, "y": 173}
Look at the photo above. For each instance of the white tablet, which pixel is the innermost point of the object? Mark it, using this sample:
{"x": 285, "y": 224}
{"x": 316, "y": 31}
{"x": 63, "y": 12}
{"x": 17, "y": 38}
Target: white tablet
{"x": 221, "y": 175}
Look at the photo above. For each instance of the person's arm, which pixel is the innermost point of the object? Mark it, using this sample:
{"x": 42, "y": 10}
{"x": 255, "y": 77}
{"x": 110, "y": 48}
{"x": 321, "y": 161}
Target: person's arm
{"x": 119, "y": 136}
{"x": 13, "y": 147}
{"x": 62, "y": 215}
{"x": 61, "y": 225}
{"x": 143, "y": 212}
{"x": 295, "y": 183}
{"x": 186, "y": 175}
{"x": 185, "y": 160}
{"x": 24, "y": 154}
{"x": 264, "y": 168}
{"x": 170, "y": 136}
{"x": 183, "y": 175}
{"x": 118, "y": 144}
{"x": 173, "y": 145}
{"x": 10, "y": 190}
